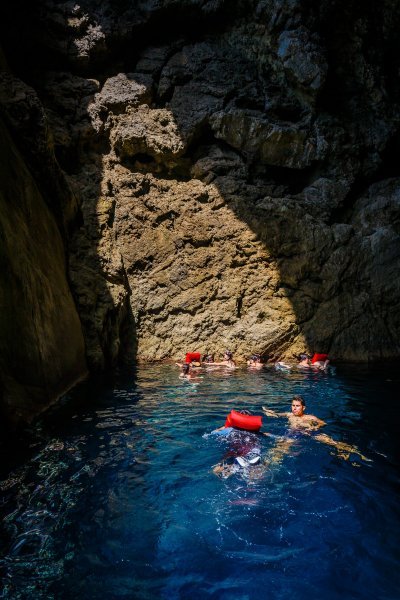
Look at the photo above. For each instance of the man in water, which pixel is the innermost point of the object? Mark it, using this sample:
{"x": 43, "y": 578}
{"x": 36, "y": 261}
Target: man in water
{"x": 298, "y": 420}
{"x": 297, "y": 417}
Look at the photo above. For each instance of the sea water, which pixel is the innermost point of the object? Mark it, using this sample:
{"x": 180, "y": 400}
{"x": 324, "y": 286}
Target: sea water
{"x": 116, "y": 495}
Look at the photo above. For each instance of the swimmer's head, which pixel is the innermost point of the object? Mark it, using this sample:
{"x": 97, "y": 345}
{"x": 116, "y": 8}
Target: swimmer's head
{"x": 228, "y": 355}
{"x": 208, "y": 358}
{"x": 298, "y": 406}
{"x": 185, "y": 368}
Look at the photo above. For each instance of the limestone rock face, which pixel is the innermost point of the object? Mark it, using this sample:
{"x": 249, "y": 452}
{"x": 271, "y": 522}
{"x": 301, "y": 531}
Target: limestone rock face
{"x": 269, "y": 143}
{"x": 196, "y": 270}
{"x": 149, "y": 132}
{"x": 233, "y": 170}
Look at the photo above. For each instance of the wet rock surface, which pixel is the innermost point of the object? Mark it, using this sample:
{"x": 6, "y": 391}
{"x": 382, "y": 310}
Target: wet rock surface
{"x": 234, "y": 172}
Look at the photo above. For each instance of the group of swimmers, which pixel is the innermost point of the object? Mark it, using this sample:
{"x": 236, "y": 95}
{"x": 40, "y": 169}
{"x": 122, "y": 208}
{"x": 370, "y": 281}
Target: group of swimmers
{"x": 245, "y": 451}
{"x": 194, "y": 362}
{"x": 306, "y": 361}
{"x": 245, "y": 456}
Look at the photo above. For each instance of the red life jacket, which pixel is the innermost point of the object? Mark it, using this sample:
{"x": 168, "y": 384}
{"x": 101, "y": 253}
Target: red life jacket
{"x": 192, "y": 357}
{"x": 317, "y": 357}
{"x": 240, "y": 421}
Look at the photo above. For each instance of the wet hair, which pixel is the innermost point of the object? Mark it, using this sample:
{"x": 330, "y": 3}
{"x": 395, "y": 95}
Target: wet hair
{"x": 228, "y": 354}
{"x": 208, "y": 358}
{"x": 299, "y": 399}
{"x": 185, "y": 368}
{"x": 303, "y": 356}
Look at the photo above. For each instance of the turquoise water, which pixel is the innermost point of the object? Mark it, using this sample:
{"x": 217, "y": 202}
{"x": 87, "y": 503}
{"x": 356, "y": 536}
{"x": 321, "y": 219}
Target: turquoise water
{"x": 116, "y": 498}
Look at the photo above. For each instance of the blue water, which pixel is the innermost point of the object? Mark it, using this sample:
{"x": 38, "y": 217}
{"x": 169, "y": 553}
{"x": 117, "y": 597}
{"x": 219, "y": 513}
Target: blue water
{"x": 116, "y": 498}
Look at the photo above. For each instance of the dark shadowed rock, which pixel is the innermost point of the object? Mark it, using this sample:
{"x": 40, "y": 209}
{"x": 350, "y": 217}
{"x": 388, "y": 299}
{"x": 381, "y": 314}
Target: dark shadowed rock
{"x": 41, "y": 347}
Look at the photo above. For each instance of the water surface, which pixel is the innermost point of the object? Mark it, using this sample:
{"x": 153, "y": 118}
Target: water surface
{"x": 116, "y": 497}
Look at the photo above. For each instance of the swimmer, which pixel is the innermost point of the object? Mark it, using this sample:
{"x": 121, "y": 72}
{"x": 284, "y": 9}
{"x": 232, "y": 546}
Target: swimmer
{"x": 304, "y": 362}
{"x": 226, "y": 362}
{"x": 297, "y": 417}
{"x": 244, "y": 452}
{"x": 251, "y": 464}
{"x": 208, "y": 358}
{"x": 255, "y": 362}
{"x": 208, "y": 361}
{"x": 308, "y": 423}
{"x": 187, "y": 371}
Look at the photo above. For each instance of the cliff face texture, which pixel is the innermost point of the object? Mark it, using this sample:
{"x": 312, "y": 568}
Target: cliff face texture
{"x": 41, "y": 342}
{"x": 232, "y": 167}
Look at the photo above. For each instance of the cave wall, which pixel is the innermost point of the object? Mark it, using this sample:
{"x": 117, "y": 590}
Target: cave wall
{"x": 41, "y": 343}
{"x": 233, "y": 168}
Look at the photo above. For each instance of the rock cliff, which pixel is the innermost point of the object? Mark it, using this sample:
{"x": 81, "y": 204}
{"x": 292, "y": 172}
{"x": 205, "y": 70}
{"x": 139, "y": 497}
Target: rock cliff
{"x": 41, "y": 342}
{"x": 233, "y": 168}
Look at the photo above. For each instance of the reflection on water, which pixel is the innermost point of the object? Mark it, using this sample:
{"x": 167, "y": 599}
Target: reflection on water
{"x": 117, "y": 499}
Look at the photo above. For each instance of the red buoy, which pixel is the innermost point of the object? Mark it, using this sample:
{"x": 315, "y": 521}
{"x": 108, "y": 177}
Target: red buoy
{"x": 241, "y": 421}
{"x": 192, "y": 357}
{"x": 318, "y": 357}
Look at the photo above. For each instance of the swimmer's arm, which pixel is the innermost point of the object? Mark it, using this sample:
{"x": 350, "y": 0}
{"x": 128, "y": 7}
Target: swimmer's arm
{"x": 272, "y": 413}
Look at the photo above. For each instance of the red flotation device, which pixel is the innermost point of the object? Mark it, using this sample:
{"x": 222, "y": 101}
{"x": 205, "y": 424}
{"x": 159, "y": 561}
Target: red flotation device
{"x": 317, "y": 357}
{"x": 192, "y": 357}
{"x": 240, "y": 421}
